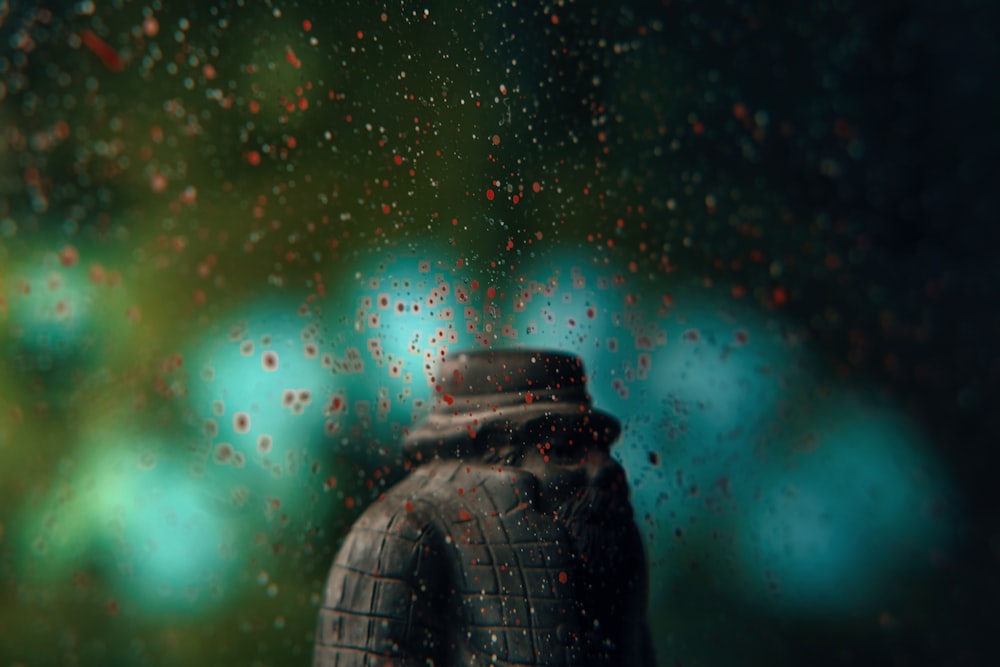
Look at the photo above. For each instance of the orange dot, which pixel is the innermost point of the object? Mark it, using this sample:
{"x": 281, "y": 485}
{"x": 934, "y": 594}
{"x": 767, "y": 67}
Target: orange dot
{"x": 241, "y": 422}
{"x": 69, "y": 256}
{"x": 269, "y": 361}
{"x": 563, "y": 578}
{"x": 150, "y": 26}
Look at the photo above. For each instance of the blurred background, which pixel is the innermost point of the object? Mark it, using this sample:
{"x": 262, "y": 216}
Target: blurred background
{"x": 237, "y": 237}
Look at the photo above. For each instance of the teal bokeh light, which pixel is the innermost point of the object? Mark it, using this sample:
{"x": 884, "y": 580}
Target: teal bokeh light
{"x": 267, "y": 404}
{"x": 696, "y": 435}
{"x": 172, "y": 542}
{"x": 53, "y": 308}
{"x": 130, "y": 513}
{"x": 398, "y": 314}
{"x": 853, "y": 505}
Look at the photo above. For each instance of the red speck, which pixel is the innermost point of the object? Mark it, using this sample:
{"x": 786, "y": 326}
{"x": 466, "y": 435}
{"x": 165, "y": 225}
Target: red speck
{"x": 223, "y": 451}
{"x": 361, "y": 35}
{"x": 113, "y": 607}
{"x": 69, "y": 256}
{"x": 150, "y": 26}
{"x": 563, "y": 578}
{"x": 463, "y": 515}
{"x": 102, "y": 50}
{"x": 253, "y": 157}
{"x": 536, "y": 187}
{"x": 491, "y": 292}
{"x": 241, "y": 422}
{"x": 529, "y": 397}
{"x": 490, "y": 194}
{"x": 699, "y": 128}
{"x": 779, "y": 295}
{"x": 398, "y": 159}
{"x": 349, "y": 502}
{"x": 475, "y": 284}
{"x": 843, "y": 129}
{"x": 409, "y": 506}
{"x": 307, "y": 25}
{"x": 448, "y": 398}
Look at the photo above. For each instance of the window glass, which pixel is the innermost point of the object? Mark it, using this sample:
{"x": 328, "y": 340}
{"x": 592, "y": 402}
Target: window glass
{"x": 237, "y": 238}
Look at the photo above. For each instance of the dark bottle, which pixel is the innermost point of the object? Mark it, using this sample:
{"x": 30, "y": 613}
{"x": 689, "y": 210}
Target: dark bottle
{"x": 511, "y": 541}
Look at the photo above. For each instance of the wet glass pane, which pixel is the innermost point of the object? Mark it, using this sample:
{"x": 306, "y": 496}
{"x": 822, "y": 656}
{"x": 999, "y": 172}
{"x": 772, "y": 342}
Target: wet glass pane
{"x": 237, "y": 239}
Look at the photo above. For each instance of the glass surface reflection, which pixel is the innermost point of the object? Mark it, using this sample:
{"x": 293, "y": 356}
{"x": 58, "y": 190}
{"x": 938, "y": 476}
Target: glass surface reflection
{"x": 238, "y": 238}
